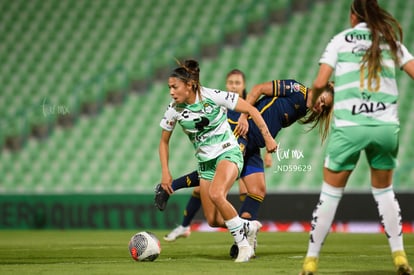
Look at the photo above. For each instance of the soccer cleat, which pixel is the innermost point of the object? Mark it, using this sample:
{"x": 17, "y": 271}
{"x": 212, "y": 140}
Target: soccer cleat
{"x": 245, "y": 254}
{"x": 234, "y": 251}
{"x": 401, "y": 263}
{"x": 178, "y": 232}
{"x": 252, "y": 229}
{"x": 161, "y": 197}
{"x": 310, "y": 265}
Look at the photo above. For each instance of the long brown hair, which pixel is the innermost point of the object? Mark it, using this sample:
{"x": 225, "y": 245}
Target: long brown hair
{"x": 322, "y": 119}
{"x": 384, "y": 27}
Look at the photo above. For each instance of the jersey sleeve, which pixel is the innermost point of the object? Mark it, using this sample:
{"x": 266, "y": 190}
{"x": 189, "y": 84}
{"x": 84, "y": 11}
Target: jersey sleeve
{"x": 404, "y": 56}
{"x": 287, "y": 88}
{"x": 330, "y": 55}
{"x": 169, "y": 119}
{"x": 223, "y": 98}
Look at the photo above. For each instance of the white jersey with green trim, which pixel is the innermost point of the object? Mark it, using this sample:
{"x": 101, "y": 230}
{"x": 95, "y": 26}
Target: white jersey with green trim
{"x": 358, "y": 101}
{"x": 205, "y": 122}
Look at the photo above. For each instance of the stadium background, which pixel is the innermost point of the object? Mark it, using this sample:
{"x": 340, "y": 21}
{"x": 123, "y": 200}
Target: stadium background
{"x": 84, "y": 88}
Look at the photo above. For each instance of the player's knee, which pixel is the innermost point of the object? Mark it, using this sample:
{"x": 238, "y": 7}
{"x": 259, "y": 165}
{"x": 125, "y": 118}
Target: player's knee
{"x": 259, "y": 190}
{"x": 216, "y": 197}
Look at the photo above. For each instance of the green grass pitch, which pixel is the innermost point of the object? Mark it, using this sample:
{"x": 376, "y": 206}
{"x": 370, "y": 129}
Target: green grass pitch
{"x": 106, "y": 252}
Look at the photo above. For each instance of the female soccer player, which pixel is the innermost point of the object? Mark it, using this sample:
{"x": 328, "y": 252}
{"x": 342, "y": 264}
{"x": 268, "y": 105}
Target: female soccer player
{"x": 285, "y": 102}
{"x": 201, "y": 112}
{"x": 364, "y": 58}
{"x": 235, "y": 82}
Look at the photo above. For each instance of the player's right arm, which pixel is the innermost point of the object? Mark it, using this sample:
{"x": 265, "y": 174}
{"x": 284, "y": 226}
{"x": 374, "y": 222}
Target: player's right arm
{"x": 266, "y": 88}
{"x": 166, "y": 178}
{"x": 406, "y": 61}
{"x": 167, "y": 124}
{"x": 409, "y": 68}
{"x": 322, "y": 78}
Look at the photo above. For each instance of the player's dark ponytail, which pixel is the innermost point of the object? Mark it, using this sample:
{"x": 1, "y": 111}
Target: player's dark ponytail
{"x": 188, "y": 71}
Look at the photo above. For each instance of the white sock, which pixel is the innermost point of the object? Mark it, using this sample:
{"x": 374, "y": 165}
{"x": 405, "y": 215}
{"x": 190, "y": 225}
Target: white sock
{"x": 236, "y": 228}
{"x": 322, "y": 217}
{"x": 390, "y": 215}
{"x": 246, "y": 224}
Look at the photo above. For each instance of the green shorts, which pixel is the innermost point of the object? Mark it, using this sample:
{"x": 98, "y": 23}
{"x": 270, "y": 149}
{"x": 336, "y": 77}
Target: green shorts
{"x": 207, "y": 169}
{"x": 345, "y": 144}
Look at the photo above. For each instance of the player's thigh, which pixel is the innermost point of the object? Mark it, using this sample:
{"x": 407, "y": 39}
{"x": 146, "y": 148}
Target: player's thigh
{"x": 228, "y": 168}
{"x": 256, "y": 183}
{"x": 224, "y": 178}
{"x": 253, "y": 174}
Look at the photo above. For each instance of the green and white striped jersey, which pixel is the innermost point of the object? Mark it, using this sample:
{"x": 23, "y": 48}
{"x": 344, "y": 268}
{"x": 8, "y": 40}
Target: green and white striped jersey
{"x": 205, "y": 122}
{"x": 358, "y": 102}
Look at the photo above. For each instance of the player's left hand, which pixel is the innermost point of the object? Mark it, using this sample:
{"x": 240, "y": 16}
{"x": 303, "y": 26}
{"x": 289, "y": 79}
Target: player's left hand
{"x": 167, "y": 187}
{"x": 166, "y": 181}
{"x": 242, "y": 126}
{"x": 271, "y": 145}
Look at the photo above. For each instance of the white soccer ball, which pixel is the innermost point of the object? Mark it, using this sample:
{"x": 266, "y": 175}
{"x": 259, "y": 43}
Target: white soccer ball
{"x": 144, "y": 246}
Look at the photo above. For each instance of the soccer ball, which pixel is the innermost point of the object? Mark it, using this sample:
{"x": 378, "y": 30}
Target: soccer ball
{"x": 144, "y": 246}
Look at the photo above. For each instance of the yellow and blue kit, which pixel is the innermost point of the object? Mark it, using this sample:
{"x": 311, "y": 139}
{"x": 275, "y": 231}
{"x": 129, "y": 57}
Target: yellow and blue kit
{"x": 284, "y": 107}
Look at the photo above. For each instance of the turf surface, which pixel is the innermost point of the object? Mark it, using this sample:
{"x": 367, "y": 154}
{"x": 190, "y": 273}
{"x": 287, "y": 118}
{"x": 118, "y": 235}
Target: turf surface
{"x": 106, "y": 252}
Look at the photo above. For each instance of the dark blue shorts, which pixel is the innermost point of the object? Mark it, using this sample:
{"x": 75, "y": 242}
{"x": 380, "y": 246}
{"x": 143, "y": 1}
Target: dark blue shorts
{"x": 253, "y": 163}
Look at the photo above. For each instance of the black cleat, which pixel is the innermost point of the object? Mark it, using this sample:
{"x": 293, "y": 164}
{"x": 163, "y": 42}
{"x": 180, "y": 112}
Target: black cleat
{"x": 234, "y": 251}
{"x": 161, "y": 197}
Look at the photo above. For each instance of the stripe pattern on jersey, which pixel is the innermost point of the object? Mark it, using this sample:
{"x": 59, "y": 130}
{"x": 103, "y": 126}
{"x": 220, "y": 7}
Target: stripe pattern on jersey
{"x": 358, "y": 101}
